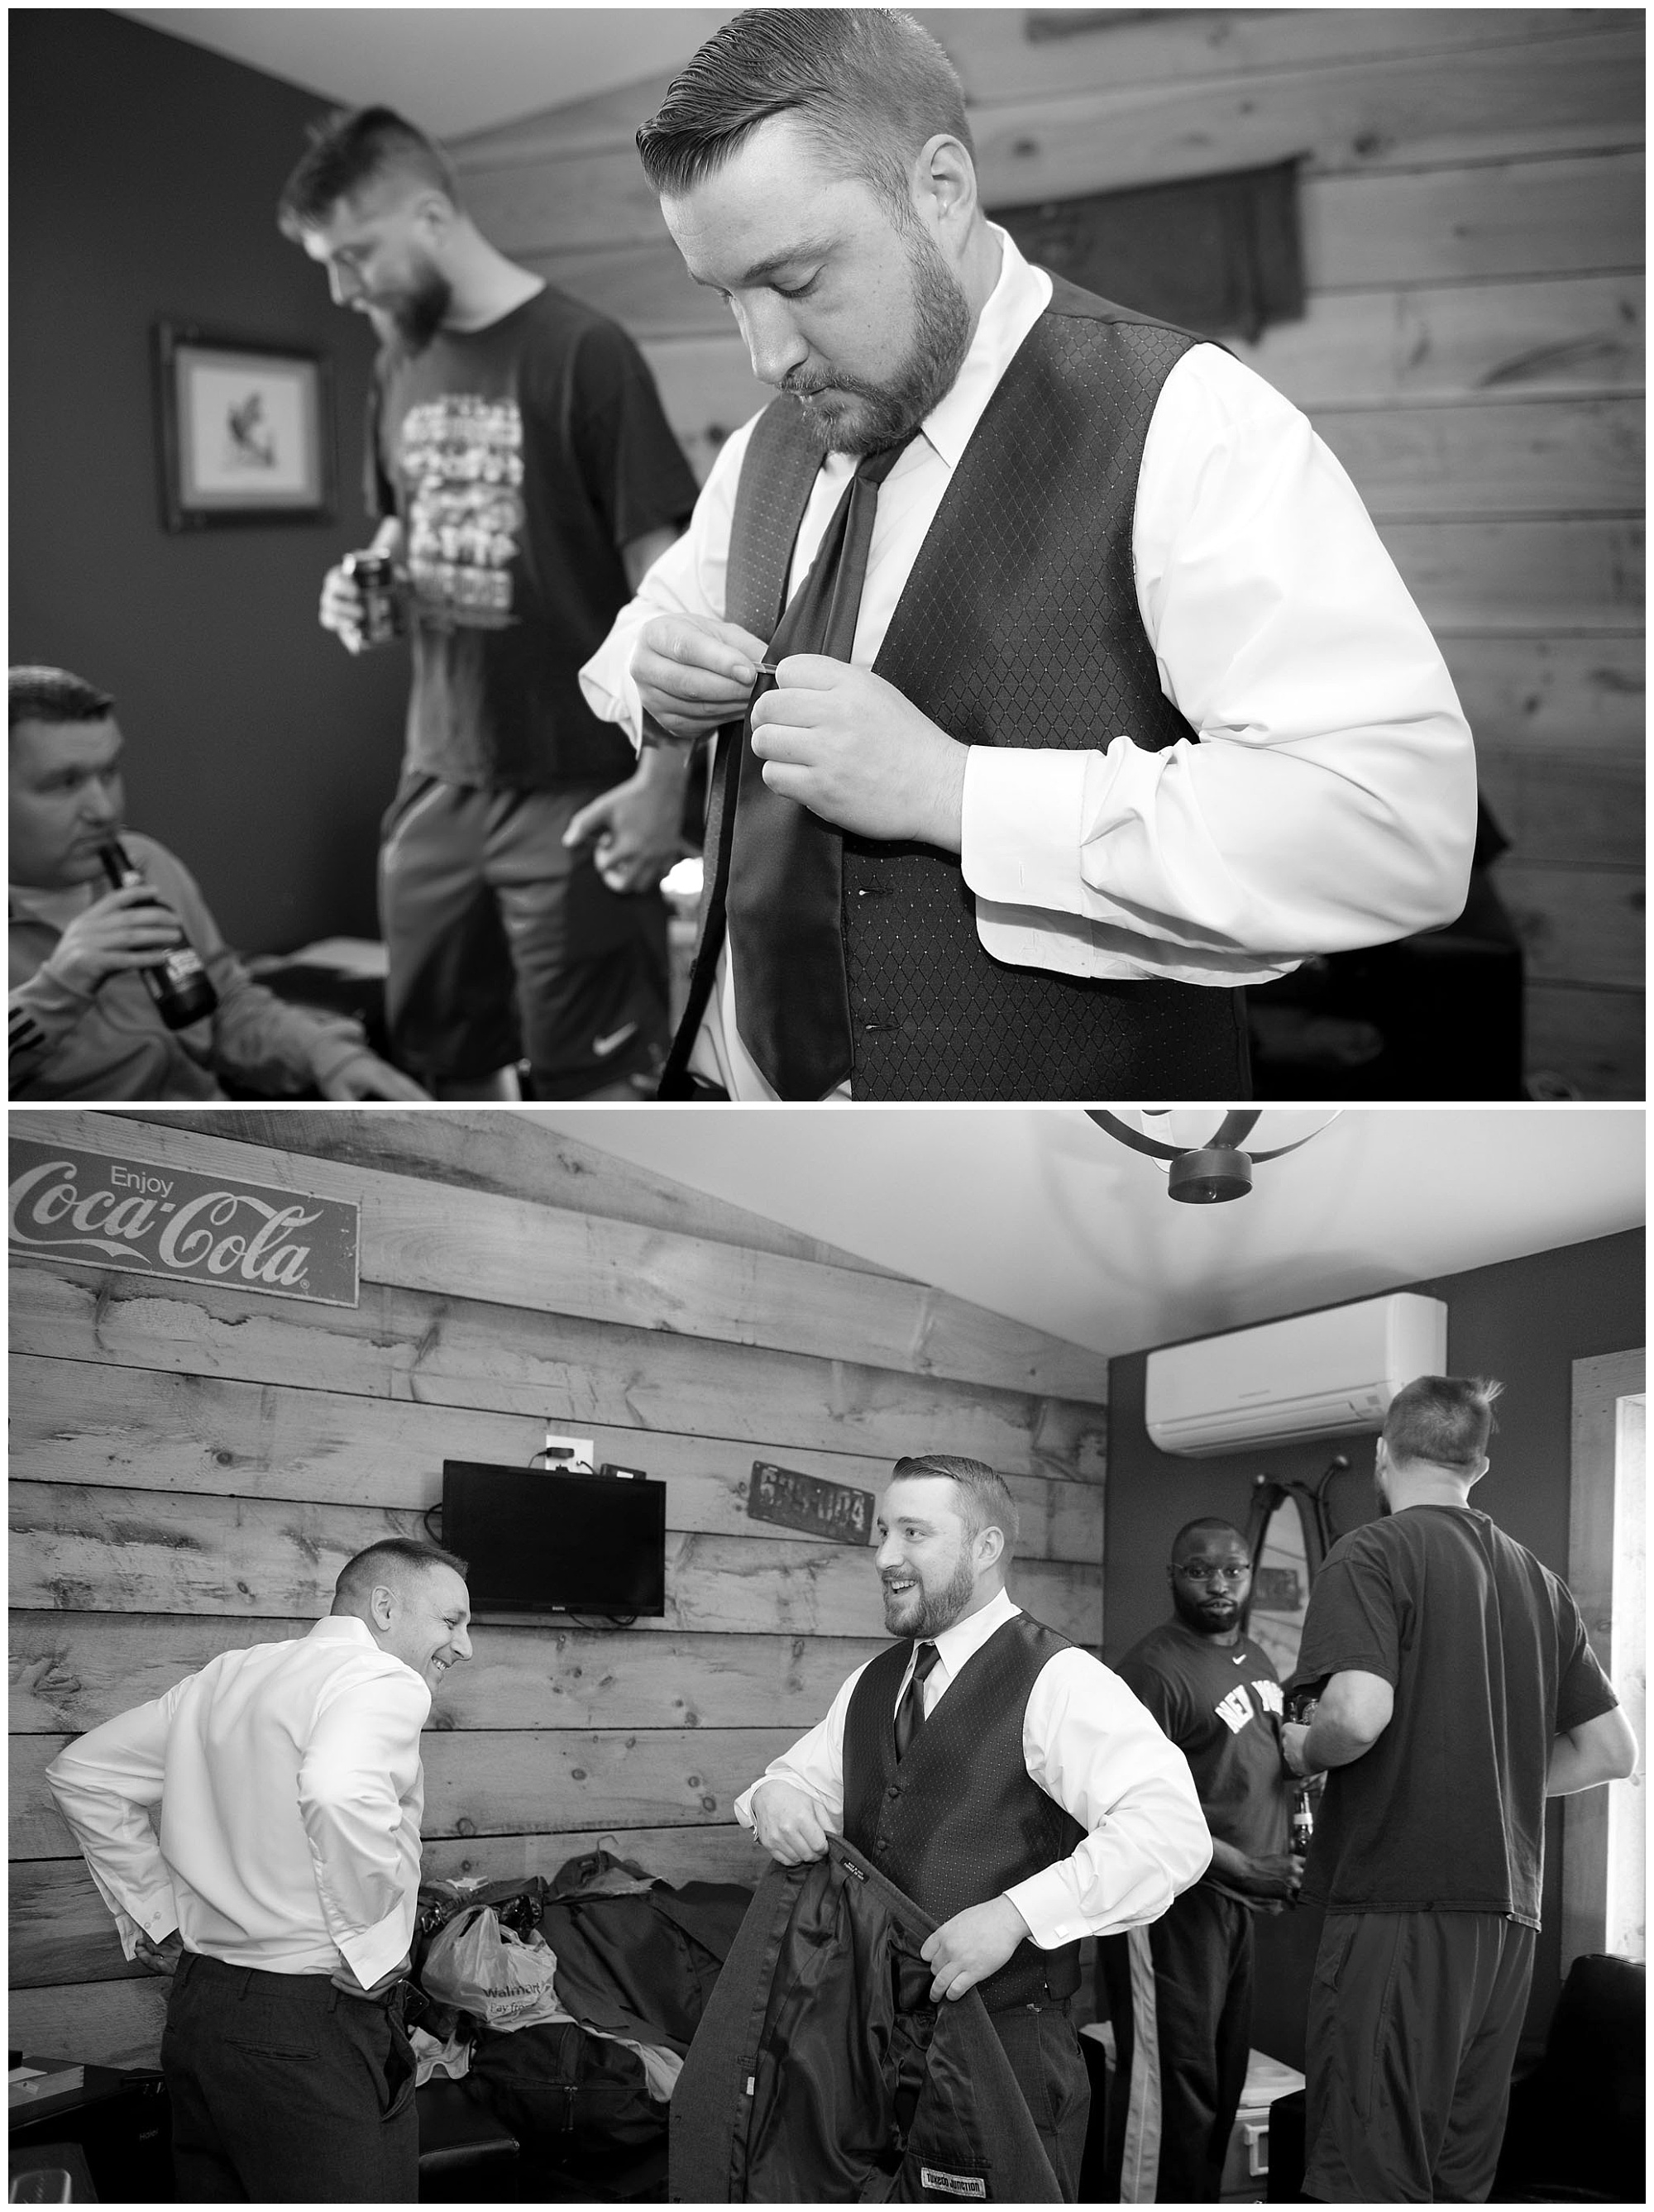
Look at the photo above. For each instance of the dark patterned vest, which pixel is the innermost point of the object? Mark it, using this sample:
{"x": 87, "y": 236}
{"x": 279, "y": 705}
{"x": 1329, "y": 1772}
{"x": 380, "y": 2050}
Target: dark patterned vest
{"x": 960, "y": 1821}
{"x": 1018, "y": 626}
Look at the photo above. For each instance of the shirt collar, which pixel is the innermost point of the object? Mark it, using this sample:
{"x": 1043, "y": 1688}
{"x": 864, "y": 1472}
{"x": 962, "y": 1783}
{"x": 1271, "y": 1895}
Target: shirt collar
{"x": 1012, "y": 307}
{"x": 966, "y": 1637}
{"x": 342, "y": 1628}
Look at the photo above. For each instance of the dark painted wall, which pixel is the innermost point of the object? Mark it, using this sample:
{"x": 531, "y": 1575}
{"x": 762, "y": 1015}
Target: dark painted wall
{"x": 1524, "y": 1321}
{"x": 144, "y": 175}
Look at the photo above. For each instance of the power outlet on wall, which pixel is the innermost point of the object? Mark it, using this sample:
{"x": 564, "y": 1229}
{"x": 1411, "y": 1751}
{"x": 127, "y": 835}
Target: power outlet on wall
{"x": 573, "y": 1454}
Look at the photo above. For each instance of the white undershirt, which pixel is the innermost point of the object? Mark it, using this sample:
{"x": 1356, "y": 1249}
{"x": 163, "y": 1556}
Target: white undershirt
{"x": 1088, "y": 1743}
{"x": 288, "y": 1789}
{"x": 1331, "y": 803}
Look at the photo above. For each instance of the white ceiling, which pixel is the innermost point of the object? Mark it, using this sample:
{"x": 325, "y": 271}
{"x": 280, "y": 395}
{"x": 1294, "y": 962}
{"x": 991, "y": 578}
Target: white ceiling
{"x": 449, "y": 70}
{"x": 1035, "y": 1213}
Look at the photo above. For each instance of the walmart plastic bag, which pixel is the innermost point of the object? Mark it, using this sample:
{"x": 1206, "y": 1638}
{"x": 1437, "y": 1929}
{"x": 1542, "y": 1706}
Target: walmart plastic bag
{"x": 504, "y": 1979}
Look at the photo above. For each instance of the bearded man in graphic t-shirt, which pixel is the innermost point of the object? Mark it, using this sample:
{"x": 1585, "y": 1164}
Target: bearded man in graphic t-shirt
{"x": 1180, "y": 1990}
{"x": 527, "y": 480}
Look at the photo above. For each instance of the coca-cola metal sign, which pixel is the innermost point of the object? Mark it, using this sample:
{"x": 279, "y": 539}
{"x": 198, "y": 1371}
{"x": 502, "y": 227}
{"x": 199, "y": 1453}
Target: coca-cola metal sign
{"x": 105, "y": 1211}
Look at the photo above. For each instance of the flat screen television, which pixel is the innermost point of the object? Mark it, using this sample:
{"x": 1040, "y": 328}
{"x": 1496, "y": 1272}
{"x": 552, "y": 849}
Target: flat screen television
{"x": 536, "y": 1541}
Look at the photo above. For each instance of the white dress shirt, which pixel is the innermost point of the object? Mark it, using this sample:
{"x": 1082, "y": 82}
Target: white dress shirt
{"x": 1088, "y": 1743}
{"x": 1332, "y": 801}
{"x": 289, "y": 1788}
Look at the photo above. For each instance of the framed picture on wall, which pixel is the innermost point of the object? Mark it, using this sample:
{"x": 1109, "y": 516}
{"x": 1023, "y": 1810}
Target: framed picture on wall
{"x": 246, "y": 430}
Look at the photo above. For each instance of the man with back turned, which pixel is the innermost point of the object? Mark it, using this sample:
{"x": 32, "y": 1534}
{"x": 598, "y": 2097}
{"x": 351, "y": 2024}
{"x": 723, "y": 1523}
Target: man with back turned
{"x": 1458, "y": 1693}
{"x": 1102, "y": 698}
{"x": 279, "y": 1882}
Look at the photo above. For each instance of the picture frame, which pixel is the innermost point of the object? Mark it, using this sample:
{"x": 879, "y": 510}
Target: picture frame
{"x": 244, "y": 429}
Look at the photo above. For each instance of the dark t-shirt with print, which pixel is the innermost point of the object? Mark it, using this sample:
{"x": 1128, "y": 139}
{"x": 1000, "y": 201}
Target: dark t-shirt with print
{"x": 1486, "y": 1651}
{"x": 1221, "y": 1705}
{"x": 521, "y": 458}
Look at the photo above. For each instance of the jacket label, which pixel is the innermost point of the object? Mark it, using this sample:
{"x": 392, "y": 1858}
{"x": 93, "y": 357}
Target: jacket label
{"x": 953, "y": 2184}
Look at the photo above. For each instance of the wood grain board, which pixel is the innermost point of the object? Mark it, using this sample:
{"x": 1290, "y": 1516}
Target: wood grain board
{"x": 432, "y": 1350}
{"x": 491, "y": 1782}
{"x": 80, "y": 1422}
{"x": 70, "y": 1670}
{"x": 113, "y": 2023}
{"x": 512, "y": 1253}
{"x": 139, "y": 1551}
{"x": 1519, "y": 220}
{"x": 1523, "y": 577}
{"x": 514, "y": 1155}
{"x": 1584, "y": 807}
{"x": 1576, "y": 924}
{"x": 1522, "y": 334}
{"x": 999, "y": 61}
{"x": 1073, "y": 140}
{"x": 1517, "y": 456}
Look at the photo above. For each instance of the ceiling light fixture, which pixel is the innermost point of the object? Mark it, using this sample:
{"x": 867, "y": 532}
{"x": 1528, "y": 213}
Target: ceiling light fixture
{"x": 1207, "y": 1174}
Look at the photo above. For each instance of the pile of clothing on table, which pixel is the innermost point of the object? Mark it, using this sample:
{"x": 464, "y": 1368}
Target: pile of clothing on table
{"x": 567, "y": 2005}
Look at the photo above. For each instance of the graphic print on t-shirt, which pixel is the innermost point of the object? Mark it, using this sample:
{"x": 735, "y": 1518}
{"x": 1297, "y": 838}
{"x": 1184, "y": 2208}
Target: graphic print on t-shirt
{"x": 462, "y": 461}
{"x": 1237, "y": 1709}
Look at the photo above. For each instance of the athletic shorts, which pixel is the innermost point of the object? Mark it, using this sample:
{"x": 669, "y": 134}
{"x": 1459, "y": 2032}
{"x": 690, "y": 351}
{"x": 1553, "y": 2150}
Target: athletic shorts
{"x": 504, "y": 946}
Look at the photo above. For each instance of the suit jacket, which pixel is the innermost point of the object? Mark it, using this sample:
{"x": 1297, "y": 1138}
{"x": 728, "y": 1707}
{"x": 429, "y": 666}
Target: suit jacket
{"x": 822, "y": 2072}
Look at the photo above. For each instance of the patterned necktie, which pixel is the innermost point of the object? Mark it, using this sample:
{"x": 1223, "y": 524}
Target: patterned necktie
{"x": 792, "y": 1001}
{"x": 910, "y": 1713}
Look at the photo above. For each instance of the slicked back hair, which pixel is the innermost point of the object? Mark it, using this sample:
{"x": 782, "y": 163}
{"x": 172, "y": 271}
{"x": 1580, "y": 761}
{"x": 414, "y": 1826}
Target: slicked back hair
{"x": 1443, "y": 1420}
{"x": 984, "y": 1501}
{"x": 385, "y": 1562}
{"x": 351, "y": 149}
{"x": 870, "y": 85}
{"x": 52, "y": 695}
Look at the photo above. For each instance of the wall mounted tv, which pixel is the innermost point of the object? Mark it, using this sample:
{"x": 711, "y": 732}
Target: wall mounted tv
{"x": 543, "y": 1543}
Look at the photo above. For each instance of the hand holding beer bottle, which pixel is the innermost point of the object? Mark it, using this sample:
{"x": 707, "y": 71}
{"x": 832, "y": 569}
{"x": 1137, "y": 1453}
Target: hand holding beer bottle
{"x": 178, "y": 981}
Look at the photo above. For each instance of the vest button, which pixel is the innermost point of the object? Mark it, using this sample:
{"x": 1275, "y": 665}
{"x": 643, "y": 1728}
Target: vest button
{"x": 895, "y": 1791}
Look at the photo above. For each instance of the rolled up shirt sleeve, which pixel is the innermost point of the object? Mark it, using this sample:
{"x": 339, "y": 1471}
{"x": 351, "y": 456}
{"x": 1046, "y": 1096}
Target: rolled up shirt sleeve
{"x": 359, "y": 1774}
{"x": 1330, "y": 802}
{"x": 105, "y": 1784}
{"x": 1092, "y": 1746}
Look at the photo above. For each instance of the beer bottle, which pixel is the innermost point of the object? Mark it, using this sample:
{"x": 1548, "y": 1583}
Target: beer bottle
{"x": 1301, "y": 1827}
{"x": 179, "y": 983}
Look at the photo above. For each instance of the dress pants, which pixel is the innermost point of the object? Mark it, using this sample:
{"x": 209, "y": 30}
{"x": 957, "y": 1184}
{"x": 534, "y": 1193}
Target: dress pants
{"x": 1042, "y": 2045}
{"x": 1180, "y": 1996}
{"x": 284, "y": 2089}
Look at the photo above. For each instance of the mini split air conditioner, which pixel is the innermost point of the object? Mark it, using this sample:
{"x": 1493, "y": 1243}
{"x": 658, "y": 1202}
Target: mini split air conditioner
{"x": 1309, "y": 1377}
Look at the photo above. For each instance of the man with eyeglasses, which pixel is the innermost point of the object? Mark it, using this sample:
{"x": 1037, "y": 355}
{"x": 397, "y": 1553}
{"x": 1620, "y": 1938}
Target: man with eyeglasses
{"x": 1180, "y": 1990}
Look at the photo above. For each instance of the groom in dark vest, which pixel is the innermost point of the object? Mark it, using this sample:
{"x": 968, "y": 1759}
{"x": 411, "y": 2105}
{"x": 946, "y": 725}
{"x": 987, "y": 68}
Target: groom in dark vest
{"x": 999, "y": 1776}
{"x": 1101, "y": 698}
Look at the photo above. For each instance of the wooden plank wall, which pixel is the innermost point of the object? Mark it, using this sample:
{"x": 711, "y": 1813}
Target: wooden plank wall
{"x": 192, "y": 1465}
{"x": 1472, "y": 211}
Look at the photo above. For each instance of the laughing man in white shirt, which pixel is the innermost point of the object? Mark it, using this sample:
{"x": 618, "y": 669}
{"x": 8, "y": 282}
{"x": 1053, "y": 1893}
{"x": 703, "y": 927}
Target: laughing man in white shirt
{"x": 1134, "y": 708}
{"x": 1006, "y": 1780}
{"x": 255, "y": 1832}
